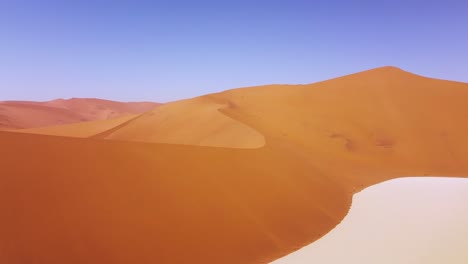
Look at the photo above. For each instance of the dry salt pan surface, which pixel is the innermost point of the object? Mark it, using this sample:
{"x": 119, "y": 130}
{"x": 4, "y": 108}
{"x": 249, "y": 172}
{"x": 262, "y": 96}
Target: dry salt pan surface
{"x": 405, "y": 221}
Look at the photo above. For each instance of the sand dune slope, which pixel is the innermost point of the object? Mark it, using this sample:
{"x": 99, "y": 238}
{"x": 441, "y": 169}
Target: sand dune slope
{"x": 195, "y": 121}
{"x": 382, "y": 118}
{"x": 88, "y": 200}
{"x": 25, "y": 114}
{"x": 67, "y": 200}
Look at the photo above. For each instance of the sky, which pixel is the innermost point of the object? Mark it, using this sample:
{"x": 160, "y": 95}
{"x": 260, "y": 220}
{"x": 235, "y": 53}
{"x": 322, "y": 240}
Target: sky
{"x": 168, "y": 50}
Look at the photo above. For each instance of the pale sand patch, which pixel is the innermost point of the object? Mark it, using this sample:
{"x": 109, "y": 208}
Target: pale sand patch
{"x": 408, "y": 220}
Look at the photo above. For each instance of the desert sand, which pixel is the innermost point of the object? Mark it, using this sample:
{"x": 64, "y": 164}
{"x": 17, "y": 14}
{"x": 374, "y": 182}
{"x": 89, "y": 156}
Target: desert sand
{"x": 409, "y": 220}
{"x": 282, "y": 180}
{"x": 28, "y": 114}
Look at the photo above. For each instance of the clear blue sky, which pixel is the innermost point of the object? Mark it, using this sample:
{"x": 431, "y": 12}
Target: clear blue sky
{"x": 167, "y": 50}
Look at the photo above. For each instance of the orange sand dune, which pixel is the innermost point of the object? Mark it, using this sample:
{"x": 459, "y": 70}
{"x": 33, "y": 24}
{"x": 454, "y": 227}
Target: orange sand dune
{"x": 86, "y": 200}
{"x": 373, "y": 112}
{"x": 25, "y": 114}
{"x": 381, "y": 118}
{"x": 74, "y": 200}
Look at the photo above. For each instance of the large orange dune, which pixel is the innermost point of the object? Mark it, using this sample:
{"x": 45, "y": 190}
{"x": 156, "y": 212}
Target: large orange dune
{"x": 164, "y": 191}
{"x": 29, "y": 114}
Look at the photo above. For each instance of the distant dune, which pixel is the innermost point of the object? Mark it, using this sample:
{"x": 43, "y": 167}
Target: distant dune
{"x": 27, "y": 114}
{"x": 83, "y": 129}
{"x": 244, "y": 176}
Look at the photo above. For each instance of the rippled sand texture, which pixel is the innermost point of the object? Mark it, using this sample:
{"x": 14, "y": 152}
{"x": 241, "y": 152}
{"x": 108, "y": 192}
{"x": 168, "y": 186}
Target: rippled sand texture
{"x": 243, "y": 176}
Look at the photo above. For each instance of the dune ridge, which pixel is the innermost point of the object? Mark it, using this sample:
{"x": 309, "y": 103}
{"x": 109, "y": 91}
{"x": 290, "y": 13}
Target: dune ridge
{"x": 128, "y": 202}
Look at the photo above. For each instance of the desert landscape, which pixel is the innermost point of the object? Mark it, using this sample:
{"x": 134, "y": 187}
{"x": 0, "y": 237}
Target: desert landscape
{"x": 248, "y": 175}
{"x": 233, "y": 132}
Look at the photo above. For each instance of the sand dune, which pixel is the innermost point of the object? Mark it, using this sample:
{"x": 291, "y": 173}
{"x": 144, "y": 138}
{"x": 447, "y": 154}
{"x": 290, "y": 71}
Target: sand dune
{"x": 410, "y": 220}
{"x": 26, "y": 114}
{"x": 74, "y": 200}
{"x": 195, "y": 121}
{"x": 83, "y": 129}
{"x": 87, "y": 200}
{"x": 382, "y": 111}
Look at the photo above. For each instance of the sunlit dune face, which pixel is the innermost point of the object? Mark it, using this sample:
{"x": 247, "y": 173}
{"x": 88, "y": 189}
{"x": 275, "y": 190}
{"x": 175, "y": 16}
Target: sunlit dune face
{"x": 243, "y": 176}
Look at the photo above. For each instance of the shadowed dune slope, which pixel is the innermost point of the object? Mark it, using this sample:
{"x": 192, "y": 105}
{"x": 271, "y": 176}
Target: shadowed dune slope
{"x": 86, "y": 200}
{"x": 74, "y": 200}
{"x": 26, "y": 114}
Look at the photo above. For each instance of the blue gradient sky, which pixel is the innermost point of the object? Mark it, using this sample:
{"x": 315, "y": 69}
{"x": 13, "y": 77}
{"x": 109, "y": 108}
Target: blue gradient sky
{"x": 168, "y": 50}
